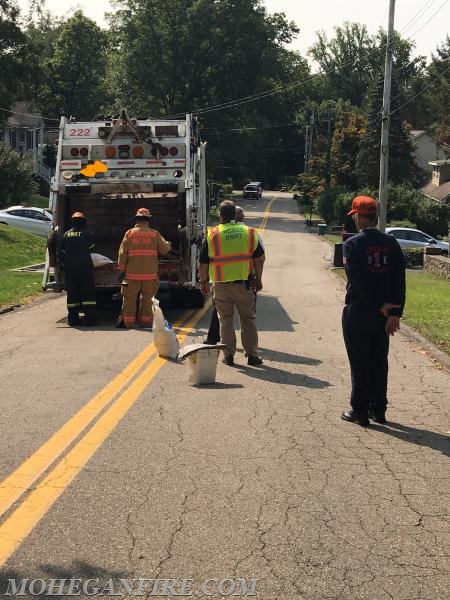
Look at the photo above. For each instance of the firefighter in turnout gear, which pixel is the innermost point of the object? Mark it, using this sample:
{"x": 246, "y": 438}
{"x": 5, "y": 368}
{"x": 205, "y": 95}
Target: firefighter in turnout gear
{"x": 138, "y": 266}
{"x": 76, "y": 247}
{"x": 232, "y": 257}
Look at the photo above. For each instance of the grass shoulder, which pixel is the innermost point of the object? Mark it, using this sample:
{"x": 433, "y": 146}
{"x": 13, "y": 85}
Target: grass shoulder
{"x": 18, "y": 249}
{"x": 427, "y": 308}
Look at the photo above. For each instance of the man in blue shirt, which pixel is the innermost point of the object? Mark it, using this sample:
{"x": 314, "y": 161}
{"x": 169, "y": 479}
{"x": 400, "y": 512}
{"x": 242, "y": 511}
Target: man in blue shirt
{"x": 375, "y": 269}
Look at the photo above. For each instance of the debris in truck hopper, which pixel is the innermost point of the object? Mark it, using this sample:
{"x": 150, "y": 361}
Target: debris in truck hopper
{"x": 98, "y": 260}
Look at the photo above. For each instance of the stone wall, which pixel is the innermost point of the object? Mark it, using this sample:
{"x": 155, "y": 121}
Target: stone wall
{"x": 438, "y": 265}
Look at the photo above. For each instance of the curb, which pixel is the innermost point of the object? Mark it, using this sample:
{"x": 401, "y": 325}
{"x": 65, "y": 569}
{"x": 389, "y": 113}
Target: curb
{"x": 431, "y": 349}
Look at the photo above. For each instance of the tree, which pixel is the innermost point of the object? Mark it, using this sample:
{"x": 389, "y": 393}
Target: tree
{"x": 213, "y": 58}
{"x": 345, "y": 145}
{"x": 11, "y": 45}
{"x": 75, "y": 73}
{"x": 402, "y": 166}
{"x": 346, "y": 60}
{"x": 15, "y": 177}
{"x": 438, "y": 94}
{"x": 353, "y": 59}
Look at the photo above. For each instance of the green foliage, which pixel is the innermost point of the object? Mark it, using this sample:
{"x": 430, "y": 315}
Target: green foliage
{"x": 427, "y": 307}
{"x": 432, "y": 217}
{"x": 402, "y": 167}
{"x": 15, "y": 177}
{"x": 353, "y": 59}
{"x": 12, "y": 43}
{"x": 334, "y": 204}
{"x": 49, "y": 153}
{"x": 74, "y": 73}
{"x": 17, "y": 249}
{"x": 413, "y": 257}
{"x": 347, "y": 137}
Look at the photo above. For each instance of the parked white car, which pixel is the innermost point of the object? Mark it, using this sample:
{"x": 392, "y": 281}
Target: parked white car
{"x": 413, "y": 238}
{"x": 29, "y": 218}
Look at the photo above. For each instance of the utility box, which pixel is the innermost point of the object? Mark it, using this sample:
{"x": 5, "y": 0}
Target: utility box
{"x": 338, "y": 260}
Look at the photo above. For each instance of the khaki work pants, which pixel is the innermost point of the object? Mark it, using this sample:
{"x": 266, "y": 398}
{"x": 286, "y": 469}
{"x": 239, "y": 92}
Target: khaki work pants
{"x": 226, "y": 297}
{"x": 136, "y": 292}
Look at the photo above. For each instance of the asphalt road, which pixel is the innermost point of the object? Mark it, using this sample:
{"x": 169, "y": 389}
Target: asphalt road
{"x": 114, "y": 466}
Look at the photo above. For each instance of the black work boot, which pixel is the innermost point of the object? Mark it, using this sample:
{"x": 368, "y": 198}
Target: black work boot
{"x": 353, "y": 417}
{"x": 73, "y": 318}
{"x": 89, "y": 316}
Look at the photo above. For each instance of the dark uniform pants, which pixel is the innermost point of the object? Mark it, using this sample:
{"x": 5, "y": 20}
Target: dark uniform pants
{"x": 80, "y": 286}
{"x": 368, "y": 356}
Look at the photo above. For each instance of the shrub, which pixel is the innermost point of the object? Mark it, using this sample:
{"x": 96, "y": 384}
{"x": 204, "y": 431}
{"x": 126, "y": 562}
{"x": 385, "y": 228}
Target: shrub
{"x": 16, "y": 182}
{"x": 413, "y": 257}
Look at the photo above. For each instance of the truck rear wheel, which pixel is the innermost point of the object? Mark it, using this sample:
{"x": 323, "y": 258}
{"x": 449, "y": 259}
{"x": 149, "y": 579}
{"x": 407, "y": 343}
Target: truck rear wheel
{"x": 178, "y": 297}
{"x": 196, "y": 299}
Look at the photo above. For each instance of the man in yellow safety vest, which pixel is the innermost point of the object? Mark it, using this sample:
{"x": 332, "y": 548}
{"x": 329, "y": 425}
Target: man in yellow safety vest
{"x": 232, "y": 258}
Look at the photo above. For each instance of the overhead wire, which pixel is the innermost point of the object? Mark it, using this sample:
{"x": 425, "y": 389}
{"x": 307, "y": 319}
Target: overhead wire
{"x": 417, "y": 16}
{"x": 421, "y": 91}
{"x": 430, "y": 19}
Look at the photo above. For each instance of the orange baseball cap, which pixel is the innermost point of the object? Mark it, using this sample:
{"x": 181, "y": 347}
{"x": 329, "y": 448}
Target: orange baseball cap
{"x": 364, "y": 205}
{"x": 78, "y": 215}
{"x": 143, "y": 213}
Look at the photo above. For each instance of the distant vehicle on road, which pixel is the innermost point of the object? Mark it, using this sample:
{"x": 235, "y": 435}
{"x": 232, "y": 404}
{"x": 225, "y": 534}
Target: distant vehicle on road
{"x": 251, "y": 190}
{"x": 28, "y": 218}
{"x": 414, "y": 238}
{"x": 258, "y": 185}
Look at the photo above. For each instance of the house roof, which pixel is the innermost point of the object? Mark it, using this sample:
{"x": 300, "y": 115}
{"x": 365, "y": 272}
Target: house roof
{"x": 438, "y": 192}
{"x": 22, "y": 117}
{"x": 417, "y": 132}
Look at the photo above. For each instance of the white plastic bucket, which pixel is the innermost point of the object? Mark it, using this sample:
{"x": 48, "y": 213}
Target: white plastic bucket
{"x": 202, "y": 365}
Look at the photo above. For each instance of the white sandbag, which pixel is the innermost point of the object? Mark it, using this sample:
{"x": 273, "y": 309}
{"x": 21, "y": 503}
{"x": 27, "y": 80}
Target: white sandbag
{"x": 98, "y": 260}
{"x": 164, "y": 337}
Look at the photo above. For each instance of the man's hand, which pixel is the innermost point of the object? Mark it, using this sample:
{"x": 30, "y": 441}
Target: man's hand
{"x": 392, "y": 324}
{"x": 387, "y": 307}
{"x": 257, "y": 285}
{"x": 121, "y": 276}
{"x": 204, "y": 286}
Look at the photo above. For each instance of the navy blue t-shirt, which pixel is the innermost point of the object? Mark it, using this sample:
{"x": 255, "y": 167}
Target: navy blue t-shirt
{"x": 375, "y": 268}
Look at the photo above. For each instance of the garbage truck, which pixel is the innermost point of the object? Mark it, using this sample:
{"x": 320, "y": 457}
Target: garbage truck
{"x": 110, "y": 167}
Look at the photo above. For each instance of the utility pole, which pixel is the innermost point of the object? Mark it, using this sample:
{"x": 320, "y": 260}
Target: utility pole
{"x": 306, "y": 148}
{"x": 328, "y": 173}
{"x": 308, "y": 142}
{"x": 385, "y": 117}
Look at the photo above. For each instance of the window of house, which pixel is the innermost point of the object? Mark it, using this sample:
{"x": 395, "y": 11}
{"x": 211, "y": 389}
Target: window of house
{"x": 30, "y": 140}
{"x": 12, "y": 138}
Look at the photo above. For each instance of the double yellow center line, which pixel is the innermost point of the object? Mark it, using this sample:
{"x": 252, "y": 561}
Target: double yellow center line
{"x": 38, "y": 501}
{"x": 64, "y": 461}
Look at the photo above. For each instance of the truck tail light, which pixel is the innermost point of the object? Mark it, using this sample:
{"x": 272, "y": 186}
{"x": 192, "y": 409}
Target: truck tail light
{"x": 74, "y": 152}
{"x": 110, "y": 151}
{"x": 138, "y": 151}
{"x": 84, "y": 151}
{"x": 164, "y": 151}
{"x": 173, "y": 151}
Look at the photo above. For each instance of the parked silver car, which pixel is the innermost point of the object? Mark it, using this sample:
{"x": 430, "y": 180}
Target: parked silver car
{"x": 413, "y": 238}
{"x": 28, "y": 218}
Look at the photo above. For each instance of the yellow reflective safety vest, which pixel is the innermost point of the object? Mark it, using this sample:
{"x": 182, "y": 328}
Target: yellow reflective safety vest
{"x": 230, "y": 249}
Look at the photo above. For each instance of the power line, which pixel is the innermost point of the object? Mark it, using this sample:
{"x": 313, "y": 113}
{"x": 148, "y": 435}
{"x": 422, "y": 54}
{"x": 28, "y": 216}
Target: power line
{"x": 421, "y": 91}
{"x": 432, "y": 17}
{"x": 417, "y": 16}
